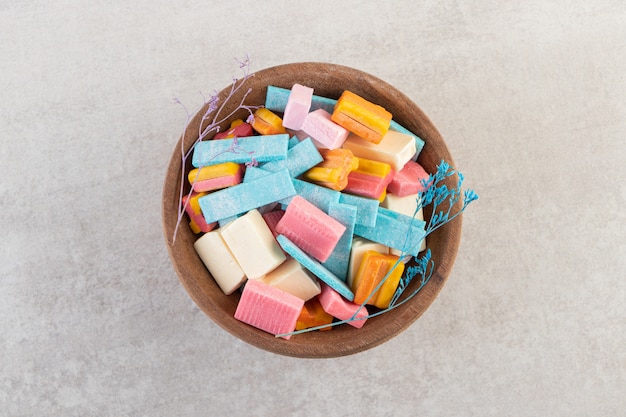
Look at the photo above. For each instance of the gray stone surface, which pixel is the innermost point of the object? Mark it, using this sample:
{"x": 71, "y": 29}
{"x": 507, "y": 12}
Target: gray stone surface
{"x": 531, "y": 99}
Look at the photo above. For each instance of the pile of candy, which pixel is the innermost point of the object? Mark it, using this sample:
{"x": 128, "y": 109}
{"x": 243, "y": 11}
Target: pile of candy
{"x": 309, "y": 209}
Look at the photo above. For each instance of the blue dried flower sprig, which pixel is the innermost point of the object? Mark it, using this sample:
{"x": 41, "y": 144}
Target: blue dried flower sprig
{"x": 437, "y": 194}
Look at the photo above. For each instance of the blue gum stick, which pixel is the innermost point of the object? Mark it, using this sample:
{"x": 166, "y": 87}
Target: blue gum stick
{"x": 367, "y": 208}
{"x": 300, "y": 158}
{"x": 246, "y": 196}
{"x": 241, "y": 150}
{"x": 339, "y": 259}
{"x": 315, "y": 267}
{"x": 319, "y": 196}
{"x": 395, "y": 230}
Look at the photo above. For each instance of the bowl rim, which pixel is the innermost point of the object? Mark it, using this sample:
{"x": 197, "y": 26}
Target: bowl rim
{"x": 342, "y": 340}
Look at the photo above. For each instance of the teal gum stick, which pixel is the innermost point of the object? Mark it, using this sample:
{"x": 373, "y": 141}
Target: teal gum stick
{"x": 319, "y": 196}
{"x": 241, "y": 150}
{"x": 315, "y": 267}
{"x": 339, "y": 259}
{"x": 300, "y": 158}
{"x": 395, "y": 230}
{"x": 246, "y": 196}
{"x": 276, "y": 100}
{"x": 367, "y": 208}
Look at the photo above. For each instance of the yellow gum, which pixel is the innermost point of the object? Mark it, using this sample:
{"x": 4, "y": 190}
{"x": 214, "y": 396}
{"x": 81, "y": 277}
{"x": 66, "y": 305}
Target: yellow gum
{"x": 213, "y": 171}
{"x": 267, "y": 123}
{"x": 364, "y": 112}
{"x": 374, "y": 267}
{"x": 374, "y": 168}
{"x": 333, "y": 171}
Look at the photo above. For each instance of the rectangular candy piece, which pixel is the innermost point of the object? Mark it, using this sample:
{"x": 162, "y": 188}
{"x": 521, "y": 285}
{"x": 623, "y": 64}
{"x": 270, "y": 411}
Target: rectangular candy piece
{"x": 367, "y": 208}
{"x": 241, "y": 150}
{"x": 220, "y": 262}
{"x": 291, "y": 277}
{"x": 197, "y": 222}
{"x": 300, "y": 157}
{"x": 214, "y": 177}
{"x": 368, "y": 186}
{"x": 319, "y": 126}
{"x": 276, "y": 100}
{"x": 333, "y": 171}
{"x": 269, "y": 309}
{"x": 298, "y": 106}
{"x": 404, "y": 205}
{"x": 408, "y": 180}
{"x": 419, "y": 142}
{"x": 314, "y": 231}
{"x": 340, "y": 257}
{"x": 336, "y": 306}
{"x": 359, "y": 247}
{"x": 319, "y": 196}
{"x": 267, "y": 123}
{"x": 361, "y": 117}
{"x": 313, "y": 315}
{"x": 246, "y": 196}
{"x": 315, "y": 267}
{"x": 395, "y": 149}
{"x": 238, "y": 128}
{"x": 394, "y": 230}
{"x": 376, "y": 267}
{"x": 253, "y": 245}
{"x": 370, "y": 179}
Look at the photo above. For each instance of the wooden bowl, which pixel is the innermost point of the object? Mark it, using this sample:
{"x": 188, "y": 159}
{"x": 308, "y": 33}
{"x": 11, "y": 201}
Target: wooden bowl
{"x": 328, "y": 80}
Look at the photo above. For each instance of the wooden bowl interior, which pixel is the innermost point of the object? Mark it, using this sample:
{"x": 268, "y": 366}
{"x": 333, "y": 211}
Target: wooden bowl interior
{"x": 328, "y": 80}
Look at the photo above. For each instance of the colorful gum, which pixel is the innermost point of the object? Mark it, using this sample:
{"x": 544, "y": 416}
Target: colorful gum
{"x": 265, "y": 122}
{"x": 197, "y": 223}
{"x": 339, "y": 259}
{"x": 337, "y": 306}
{"x": 246, "y": 196}
{"x": 394, "y": 230}
{"x": 301, "y": 157}
{"x": 269, "y": 309}
{"x": 253, "y": 245}
{"x": 361, "y": 117}
{"x": 377, "y": 279}
{"x": 313, "y": 315}
{"x": 297, "y": 107}
{"x": 291, "y": 277}
{"x": 319, "y": 126}
{"x": 241, "y": 150}
{"x": 333, "y": 171}
{"x": 220, "y": 262}
{"x": 214, "y": 177}
{"x": 367, "y": 208}
{"x": 370, "y": 179}
{"x": 319, "y": 196}
{"x": 395, "y": 148}
{"x": 359, "y": 247}
{"x": 238, "y": 129}
{"x": 276, "y": 99}
{"x": 409, "y": 180}
{"x": 311, "y": 229}
{"x": 419, "y": 142}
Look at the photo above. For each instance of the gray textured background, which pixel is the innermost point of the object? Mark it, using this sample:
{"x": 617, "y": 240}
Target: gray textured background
{"x": 530, "y": 96}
